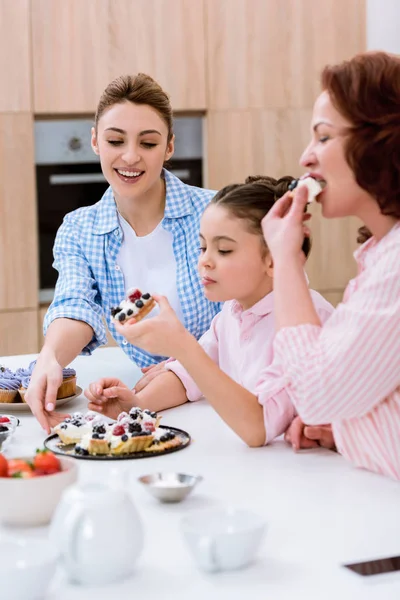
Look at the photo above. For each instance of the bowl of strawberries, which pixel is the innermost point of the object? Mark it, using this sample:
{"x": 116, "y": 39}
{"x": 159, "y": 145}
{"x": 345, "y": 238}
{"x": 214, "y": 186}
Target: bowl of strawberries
{"x": 31, "y": 487}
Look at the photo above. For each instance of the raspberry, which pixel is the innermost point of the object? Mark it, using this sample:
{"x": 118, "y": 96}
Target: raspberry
{"x": 118, "y": 430}
{"x": 149, "y": 426}
{"x": 135, "y": 295}
{"x": 4, "y": 420}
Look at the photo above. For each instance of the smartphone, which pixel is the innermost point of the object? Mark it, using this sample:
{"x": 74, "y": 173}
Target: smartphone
{"x": 375, "y": 567}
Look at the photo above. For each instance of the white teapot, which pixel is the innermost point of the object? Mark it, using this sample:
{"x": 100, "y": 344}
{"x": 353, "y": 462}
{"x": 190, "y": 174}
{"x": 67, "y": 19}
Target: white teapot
{"x": 98, "y": 533}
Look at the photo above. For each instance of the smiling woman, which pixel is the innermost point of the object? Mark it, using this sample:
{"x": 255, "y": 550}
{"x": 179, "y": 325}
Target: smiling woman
{"x": 143, "y": 233}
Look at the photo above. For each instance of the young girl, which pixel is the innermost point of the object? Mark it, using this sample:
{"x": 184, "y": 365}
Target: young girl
{"x": 347, "y": 371}
{"x": 232, "y": 365}
{"x": 142, "y": 233}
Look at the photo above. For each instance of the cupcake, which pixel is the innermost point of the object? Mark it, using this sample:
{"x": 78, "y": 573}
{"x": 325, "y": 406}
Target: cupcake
{"x": 68, "y": 386}
{"x": 9, "y": 385}
{"x": 25, "y": 381}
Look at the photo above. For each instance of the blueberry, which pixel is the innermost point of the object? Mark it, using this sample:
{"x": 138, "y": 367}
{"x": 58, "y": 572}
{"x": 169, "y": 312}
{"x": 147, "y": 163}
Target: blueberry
{"x": 96, "y": 436}
{"x": 3, "y": 428}
{"x": 164, "y": 438}
{"x": 154, "y": 415}
{"x": 67, "y": 420}
{"x": 137, "y": 434}
{"x": 99, "y": 429}
{"x": 134, "y": 427}
{"x": 134, "y": 413}
{"x": 115, "y": 310}
{"x": 293, "y": 185}
{"x": 82, "y": 451}
{"x": 121, "y": 317}
{"x": 139, "y": 304}
{"x": 124, "y": 438}
{"x": 76, "y": 423}
{"x": 129, "y": 312}
{"x": 146, "y": 296}
{"x": 63, "y": 426}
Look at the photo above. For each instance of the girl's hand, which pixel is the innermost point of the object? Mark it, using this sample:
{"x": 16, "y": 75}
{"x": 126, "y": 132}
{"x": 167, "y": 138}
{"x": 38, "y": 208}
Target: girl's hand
{"x": 163, "y": 334}
{"x": 303, "y": 437}
{"x": 110, "y": 397}
{"x": 149, "y": 373}
{"x": 283, "y": 227}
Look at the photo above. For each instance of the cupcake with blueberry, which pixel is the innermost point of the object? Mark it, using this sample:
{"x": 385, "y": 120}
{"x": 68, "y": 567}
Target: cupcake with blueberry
{"x": 9, "y": 385}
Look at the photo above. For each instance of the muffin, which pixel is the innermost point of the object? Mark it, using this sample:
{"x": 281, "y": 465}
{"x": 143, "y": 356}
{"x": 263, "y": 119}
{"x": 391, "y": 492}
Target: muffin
{"x": 9, "y": 385}
{"x": 68, "y": 386}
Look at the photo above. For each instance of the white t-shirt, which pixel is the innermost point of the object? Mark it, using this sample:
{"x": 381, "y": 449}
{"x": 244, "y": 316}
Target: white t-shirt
{"x": 148, "y": 263}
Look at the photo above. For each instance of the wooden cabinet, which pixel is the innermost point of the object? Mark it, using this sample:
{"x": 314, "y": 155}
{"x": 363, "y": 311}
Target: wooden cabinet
{"x": 18, "y": 223}
{"x": 70, "y": 43}
{"x": 166, "y": 39}
{"x": 80, "y": 46}
{"x": 269, "y": 53}
{"x": 18, "y": 332}
{"x": 15, "y": 68}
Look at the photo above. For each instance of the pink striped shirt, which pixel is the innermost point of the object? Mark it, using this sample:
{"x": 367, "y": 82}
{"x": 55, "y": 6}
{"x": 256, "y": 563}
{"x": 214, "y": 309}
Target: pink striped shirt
{"x": 240, "y": 342}
{"x": 347, "y": 372}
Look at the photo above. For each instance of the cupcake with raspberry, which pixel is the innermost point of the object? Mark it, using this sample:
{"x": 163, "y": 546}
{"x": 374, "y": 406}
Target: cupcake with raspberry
{"x": 9, "y": 385}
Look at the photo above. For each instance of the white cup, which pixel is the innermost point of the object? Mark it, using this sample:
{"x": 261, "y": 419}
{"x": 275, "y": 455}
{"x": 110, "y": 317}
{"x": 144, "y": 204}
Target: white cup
{"x": 223, "y": 539}
{"x": 26, "y": 568}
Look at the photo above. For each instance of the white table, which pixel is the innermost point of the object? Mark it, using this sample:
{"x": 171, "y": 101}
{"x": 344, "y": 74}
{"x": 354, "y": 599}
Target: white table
{"x": 321, "y": 511}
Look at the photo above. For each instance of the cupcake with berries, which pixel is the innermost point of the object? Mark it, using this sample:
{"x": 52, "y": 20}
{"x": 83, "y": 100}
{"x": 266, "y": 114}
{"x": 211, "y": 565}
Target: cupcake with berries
{"x": 9, "y": 385}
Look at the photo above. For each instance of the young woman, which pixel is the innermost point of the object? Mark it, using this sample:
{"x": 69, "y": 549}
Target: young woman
{"x": 142, "y": 233}
{"x": 346, "y": 372}
{"x": 233, "y": 364}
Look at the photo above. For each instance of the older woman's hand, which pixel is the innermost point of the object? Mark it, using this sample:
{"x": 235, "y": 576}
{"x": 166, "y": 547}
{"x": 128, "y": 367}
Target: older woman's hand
{"x": 283, "y": 226}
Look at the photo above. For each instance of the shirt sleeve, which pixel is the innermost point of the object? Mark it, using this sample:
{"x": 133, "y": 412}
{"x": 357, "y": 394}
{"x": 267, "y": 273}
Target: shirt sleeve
{"x": 76, "y": 294}
{"x": 343, "y": 369}
{"x": 272, "y": 390}
{"x": 209, "y": 343}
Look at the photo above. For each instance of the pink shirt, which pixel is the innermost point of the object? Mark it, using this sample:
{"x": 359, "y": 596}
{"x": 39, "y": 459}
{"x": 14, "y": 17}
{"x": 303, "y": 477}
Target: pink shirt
{"x": 240, "y": 342}
{"x": 348, "y": 372}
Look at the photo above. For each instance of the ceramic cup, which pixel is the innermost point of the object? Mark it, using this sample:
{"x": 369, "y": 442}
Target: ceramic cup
{"x": 223, "y": 539}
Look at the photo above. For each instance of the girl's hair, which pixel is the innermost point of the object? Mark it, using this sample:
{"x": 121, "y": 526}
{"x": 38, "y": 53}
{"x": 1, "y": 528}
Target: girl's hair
{"x": 366, "y": 91}
{"x": 252, "y": 200}
{"x": 139, "y": 89}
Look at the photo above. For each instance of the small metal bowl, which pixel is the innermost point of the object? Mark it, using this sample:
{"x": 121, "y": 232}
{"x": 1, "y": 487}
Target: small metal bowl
{"x": 170, "y": 487}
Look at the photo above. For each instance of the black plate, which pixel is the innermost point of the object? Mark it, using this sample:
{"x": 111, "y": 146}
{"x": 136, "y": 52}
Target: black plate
{"x": 53, "y": 443}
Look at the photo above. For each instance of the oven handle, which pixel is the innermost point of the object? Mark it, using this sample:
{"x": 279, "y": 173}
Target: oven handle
{"x": 77, "y": 178}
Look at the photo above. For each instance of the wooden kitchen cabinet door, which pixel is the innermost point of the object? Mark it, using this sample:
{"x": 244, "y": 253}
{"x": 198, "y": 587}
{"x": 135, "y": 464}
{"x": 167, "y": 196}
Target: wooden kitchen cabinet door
{"x": 269, "y": 53}
{"x": 15, "y": 60}
{"x": 18, "y": 222}
{"x": 165, "y": 39}
{"x": 70, "y": 46}
{"x": 18, "y": 333}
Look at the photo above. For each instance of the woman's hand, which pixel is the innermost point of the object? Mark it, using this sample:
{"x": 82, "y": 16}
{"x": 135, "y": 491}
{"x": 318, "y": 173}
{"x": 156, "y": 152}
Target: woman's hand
{"x": 283, "y": 226}
{"x": 163, "y": 334}
{"x": 302, "y": 436}
{"x": 149, "y": 373}
{"x": 110, "y": 397}
{"x": 42, "y": 391}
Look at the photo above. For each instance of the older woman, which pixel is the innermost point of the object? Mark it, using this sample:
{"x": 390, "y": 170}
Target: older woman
{"x": 347, "y": 372}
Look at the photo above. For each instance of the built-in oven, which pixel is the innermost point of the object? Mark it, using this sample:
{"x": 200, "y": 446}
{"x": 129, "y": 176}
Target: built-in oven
{"x": 69, "y": 176}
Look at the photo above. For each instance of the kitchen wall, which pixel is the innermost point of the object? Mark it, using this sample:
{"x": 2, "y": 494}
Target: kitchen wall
{"x": 251, "y": 66}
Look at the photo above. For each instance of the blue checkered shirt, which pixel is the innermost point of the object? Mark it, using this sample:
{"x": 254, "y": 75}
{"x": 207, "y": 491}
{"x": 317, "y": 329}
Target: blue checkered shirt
{"x": 90, "y": 282}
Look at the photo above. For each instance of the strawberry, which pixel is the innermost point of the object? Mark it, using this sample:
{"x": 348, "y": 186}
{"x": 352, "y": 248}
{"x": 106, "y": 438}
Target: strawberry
{"x": 46, "y": 463}
{"x": 17, "y": 466}
{"x": 3, "y": 466}
{"x": 4, "y": 420}
{"x": 118, "y": 430}
{"x": 134, "y": 295}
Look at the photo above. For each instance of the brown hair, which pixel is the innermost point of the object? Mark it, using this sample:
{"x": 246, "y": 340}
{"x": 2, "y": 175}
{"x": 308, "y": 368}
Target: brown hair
{"x": 139, "y": 89}
{"x": 253, "y": 199}
{"x": 366, "y": 91}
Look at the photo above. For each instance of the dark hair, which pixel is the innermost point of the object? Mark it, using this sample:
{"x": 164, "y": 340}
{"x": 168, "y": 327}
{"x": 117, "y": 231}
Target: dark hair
{"x": 139, "y": 89}
{"x": 253, "y": 199}
{"x": 366, "y": 91}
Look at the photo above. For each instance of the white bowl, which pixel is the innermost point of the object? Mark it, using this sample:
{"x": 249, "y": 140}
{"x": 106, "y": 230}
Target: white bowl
{"x": 26, "y": 568}
{"x": 33, "y": 501}
{"x": 170, "y": 487}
